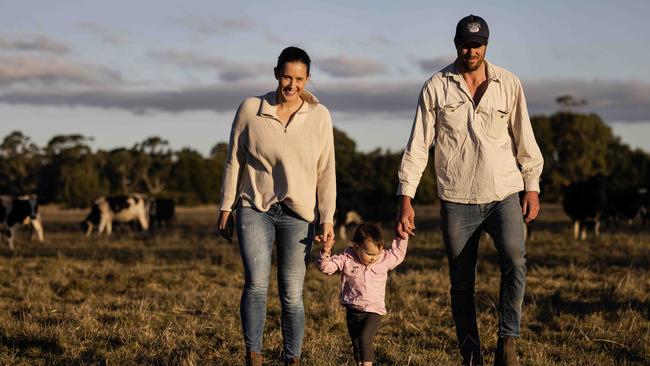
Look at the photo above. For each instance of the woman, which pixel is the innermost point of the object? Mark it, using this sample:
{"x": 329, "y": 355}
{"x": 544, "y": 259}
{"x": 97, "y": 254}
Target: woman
{"x": 279, "y": 172}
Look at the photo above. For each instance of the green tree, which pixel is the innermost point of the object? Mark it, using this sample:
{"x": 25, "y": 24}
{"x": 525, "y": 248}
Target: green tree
{"x": 152, "y": 162}
{"x": 120, "y": 170}
{"x": 20, "y": 162}
{"x": 194, "y": 178}
{"x": 72, "y": 174}
{"x": 581, "y": 143}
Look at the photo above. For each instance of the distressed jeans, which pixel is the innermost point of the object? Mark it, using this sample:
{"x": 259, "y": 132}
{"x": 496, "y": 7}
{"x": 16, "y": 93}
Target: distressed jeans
{"x": 257, "y": 231}
{"x": 462, "y": 225}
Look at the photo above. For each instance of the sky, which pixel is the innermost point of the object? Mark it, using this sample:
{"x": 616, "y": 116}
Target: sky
{"x": 121, "y": 71}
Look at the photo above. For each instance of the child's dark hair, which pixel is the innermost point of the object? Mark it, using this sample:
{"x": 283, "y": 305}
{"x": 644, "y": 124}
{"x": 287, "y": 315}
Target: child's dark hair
{"x": 292, "y": 54}
{"x": 367, "y": 232}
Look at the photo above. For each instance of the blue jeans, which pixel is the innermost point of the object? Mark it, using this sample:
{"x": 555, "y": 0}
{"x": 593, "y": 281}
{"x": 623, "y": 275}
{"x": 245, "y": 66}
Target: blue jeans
{"x": 256, "y": 231}
{"x": 462, "y": 225}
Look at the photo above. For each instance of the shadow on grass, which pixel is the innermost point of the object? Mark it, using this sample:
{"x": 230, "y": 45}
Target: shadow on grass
{"x": 121, "y": 255}
{"x": 24, "y": 343}
{"x": 590, "y": 302}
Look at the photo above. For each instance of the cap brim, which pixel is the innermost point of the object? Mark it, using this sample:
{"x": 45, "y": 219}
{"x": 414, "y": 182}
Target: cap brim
{"x": 472, "y": 39}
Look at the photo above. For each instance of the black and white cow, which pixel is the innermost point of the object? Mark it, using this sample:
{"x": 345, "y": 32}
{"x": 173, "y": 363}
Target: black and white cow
{"x": 585, "y": 202}
{"x": 162, "y": 212}
{"x": 19, "y": 211}
{"x": 121, "y": 209}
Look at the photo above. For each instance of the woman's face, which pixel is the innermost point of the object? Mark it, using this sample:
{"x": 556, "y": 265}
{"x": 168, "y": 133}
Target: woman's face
{"x": 291, "y": 81}
{"x": 368, "y": 252}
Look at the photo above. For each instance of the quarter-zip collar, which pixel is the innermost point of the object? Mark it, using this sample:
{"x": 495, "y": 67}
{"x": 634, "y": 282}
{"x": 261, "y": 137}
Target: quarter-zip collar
{"x": 269, "y": 106}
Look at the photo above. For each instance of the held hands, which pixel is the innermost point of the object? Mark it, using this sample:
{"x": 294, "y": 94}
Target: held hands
{"x": 530, "y": 206}
{"x": 405, "y": 221}
{"x": 326, "y": 237}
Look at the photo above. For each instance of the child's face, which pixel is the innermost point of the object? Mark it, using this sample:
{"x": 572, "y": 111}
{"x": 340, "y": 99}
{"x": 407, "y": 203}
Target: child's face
{"x": 367, "y": 252}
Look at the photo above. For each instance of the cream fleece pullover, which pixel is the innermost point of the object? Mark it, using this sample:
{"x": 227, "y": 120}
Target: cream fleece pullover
{"x": 269, "y": 162}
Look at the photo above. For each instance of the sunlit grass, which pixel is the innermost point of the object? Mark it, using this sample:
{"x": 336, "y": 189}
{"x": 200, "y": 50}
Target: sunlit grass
{"x": 173, "y": 299}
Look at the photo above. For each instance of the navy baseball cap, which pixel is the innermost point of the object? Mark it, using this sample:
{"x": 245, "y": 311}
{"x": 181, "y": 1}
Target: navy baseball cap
{"x": 472, "y": 28}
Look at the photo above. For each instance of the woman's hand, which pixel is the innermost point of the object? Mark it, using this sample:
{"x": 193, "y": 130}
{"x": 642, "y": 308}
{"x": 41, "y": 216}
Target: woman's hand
{"x": 327, "y": 233}
{"x": 225, "y": 225}
{"x": 327, "y": 245}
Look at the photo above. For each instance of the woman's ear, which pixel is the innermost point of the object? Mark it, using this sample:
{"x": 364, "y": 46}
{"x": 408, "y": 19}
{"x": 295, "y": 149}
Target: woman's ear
{"x": 275, "y": 73}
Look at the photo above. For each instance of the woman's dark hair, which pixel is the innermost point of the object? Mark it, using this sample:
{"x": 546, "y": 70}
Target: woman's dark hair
{"x": 367, "y": 232}
{"x": 293, "y": 54}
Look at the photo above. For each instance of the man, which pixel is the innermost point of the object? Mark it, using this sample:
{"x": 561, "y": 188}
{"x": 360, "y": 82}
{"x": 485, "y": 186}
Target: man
{"x": 485, "y": 154}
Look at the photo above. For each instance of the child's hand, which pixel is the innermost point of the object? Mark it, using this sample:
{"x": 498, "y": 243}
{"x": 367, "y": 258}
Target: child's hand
{"x": 327, "y": 245}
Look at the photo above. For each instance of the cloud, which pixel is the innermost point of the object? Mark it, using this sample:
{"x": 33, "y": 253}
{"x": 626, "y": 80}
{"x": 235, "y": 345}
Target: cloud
{"x": 38, "y": 44}
{"x": 50, "y": 70}
{"x": 228, "y": 71}
{"x": 101, "y": 32}
{"x": 344, "y": 67}
{"x": 212, "y": 25}
{"x": 431, "y": 65}
{"x": 623, "y": 101}
{"x": 615, "y": 101}
{"x": 218, "y": 98}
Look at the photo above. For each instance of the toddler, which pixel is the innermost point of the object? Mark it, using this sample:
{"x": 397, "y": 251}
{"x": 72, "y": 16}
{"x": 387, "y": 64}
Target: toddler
{"x": 364, "y": 270}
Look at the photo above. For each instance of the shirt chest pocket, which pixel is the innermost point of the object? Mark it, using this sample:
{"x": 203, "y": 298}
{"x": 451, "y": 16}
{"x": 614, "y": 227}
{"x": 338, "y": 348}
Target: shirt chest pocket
{"x": 378, "y": 274}
{"x": 353, "y": 273}
{"x": 496, "y": 123}
{"x": 453, "y": 117}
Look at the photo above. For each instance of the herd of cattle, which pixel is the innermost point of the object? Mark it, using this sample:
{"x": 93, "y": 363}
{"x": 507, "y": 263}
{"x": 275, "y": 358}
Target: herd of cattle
{"x": 588, "y": 203}
{"x": 17, "y": 211}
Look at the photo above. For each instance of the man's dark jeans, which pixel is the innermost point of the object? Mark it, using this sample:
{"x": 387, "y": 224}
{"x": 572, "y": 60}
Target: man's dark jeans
{"x": 462, "y": 225}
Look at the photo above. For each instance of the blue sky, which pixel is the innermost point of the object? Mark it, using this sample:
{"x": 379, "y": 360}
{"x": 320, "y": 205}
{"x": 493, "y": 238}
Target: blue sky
{"x": 122, "y": 71}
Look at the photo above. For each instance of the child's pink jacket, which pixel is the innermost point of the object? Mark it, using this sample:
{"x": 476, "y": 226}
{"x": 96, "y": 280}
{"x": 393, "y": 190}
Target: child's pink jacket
{"x": 364, "y": 287}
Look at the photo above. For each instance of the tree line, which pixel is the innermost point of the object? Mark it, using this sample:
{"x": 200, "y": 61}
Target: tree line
{"x": 66, "y": 170}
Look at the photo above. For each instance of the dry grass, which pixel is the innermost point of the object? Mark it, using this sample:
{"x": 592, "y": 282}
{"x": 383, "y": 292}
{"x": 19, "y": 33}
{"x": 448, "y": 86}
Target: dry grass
{"x": 172, "y": 299}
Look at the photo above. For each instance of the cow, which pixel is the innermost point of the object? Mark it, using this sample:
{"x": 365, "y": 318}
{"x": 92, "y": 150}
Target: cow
{"x": 585, "y": 202}
{"x": 348, "y": 221}
{"x": 119, "y": 209}
{"x": 626, "y": 205}
{"x": 17, "y": 211}
{"x": 162, "y": 213}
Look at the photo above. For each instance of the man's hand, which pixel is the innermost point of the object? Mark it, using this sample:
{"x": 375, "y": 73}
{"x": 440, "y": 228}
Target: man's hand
{"x": 405, "y": 221}
{"x": 225, "y": 225}
{"x": 530, "y": 206}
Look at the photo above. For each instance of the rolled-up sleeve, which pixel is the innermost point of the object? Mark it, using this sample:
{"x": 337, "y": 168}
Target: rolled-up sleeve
{"x": 529, "y": 156}
{"x": 416, "y": 155}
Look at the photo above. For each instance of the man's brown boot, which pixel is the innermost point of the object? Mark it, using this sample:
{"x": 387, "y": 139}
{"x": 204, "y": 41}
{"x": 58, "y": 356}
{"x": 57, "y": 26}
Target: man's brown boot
{"x": 293, "y": 361}
{"x": 506, "y": 355}
{"x": 254, "y": 359}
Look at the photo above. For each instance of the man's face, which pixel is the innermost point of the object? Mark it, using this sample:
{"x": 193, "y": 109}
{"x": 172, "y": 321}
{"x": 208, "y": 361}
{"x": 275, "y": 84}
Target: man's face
{"x": 471, "y": 55}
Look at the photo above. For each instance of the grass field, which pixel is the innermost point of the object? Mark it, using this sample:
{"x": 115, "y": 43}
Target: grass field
{"x": 173, "y": 298}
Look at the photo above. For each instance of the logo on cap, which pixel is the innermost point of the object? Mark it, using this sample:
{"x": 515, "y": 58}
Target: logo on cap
{"x": 474, "y": 27}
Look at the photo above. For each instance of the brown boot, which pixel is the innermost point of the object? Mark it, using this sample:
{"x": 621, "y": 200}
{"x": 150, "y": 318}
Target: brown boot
{"x": 506, "y": 355}
{"x": 254, "y": 359}
{"x": 293, "y": 361}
